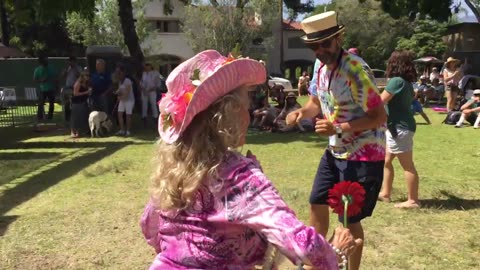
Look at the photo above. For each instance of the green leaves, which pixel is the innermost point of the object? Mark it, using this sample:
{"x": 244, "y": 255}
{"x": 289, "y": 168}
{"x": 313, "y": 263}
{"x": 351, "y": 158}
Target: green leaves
{"x": 426, "y": 39}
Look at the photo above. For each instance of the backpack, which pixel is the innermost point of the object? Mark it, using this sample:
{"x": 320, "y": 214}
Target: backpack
{"x": 452, "y": 117}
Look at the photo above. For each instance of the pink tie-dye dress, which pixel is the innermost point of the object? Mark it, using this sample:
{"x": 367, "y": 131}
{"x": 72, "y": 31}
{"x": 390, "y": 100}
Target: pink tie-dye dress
{"x": 231, "y": 224}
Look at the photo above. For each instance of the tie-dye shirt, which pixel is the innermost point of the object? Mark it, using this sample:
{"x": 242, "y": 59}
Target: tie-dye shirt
{"x": 233, "y": 220}
{"x": 346, "y": 93}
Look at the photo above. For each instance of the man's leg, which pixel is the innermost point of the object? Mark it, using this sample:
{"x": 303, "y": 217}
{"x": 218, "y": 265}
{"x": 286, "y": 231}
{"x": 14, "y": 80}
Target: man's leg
{"x": 355, "y": 259}
{"x": 41, "y": 103}
{"x": 144, "y": 105}
{"x": 326, "y": 177}
{"x": 51, "y": 102}
{"x": 152, "y": 96}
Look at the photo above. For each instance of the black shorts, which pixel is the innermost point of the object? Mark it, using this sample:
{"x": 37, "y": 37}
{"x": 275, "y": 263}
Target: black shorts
{"x": 332, "y": 170}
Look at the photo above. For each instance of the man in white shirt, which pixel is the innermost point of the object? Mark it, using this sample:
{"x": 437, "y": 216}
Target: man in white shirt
{"x": 149, "y": 84}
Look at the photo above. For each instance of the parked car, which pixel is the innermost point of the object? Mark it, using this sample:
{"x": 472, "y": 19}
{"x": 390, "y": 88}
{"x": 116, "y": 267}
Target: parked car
{"x": 287, "y": 85}
{"x": 380, "y": 78}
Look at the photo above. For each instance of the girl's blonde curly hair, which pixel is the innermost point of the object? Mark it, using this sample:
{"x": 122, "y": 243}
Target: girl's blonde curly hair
{"x": 182, "y": 167}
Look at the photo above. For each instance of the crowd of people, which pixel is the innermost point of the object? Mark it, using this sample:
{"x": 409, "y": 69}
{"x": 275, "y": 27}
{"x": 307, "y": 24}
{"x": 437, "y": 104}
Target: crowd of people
{"x": 85, "y": 91}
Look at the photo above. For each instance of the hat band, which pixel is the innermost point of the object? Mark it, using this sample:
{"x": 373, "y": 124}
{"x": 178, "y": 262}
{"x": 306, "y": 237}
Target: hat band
{"x": 323, "y": 33}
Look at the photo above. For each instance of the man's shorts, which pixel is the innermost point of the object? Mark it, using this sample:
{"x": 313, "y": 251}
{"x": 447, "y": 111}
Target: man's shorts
{"x": 126, "y": 106}
{"x": 332, "y": 171}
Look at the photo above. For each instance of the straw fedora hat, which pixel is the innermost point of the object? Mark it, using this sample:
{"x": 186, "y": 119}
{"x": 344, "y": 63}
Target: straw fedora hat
{"x": 320, "y": 27}
{"x": 197, "y": 83}
{"x": 451, "y": 59}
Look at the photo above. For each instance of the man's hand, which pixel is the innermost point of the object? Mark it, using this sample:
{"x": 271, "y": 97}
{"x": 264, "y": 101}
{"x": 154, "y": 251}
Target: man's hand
{"x": 467, "y": 111}
{"x": 324, "y": 127}
{"x": 294, "y": 117}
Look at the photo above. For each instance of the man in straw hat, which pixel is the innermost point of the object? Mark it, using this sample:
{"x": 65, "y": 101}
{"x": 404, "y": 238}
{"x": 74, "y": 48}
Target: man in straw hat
{"x": 354, "y": 117}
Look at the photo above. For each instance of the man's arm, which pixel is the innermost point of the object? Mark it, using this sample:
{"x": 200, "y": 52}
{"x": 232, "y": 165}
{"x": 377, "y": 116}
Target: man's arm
{"x": 466, "y": 105}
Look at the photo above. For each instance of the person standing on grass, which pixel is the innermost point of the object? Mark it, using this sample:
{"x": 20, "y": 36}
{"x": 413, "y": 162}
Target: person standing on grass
{"x": 126, "y": 101}
{"x": 451, "y": 77}
{"x": 45, "y": 75}
{"x": 70, "y": 73}
{"x": 303, "y": 82}
{"x": 149, "y": 84}
{"x": 343, "y": 89}
{"x": 80, "y": 111}
{"x": 398, "y": 96}
{"x": 101, "y": 83}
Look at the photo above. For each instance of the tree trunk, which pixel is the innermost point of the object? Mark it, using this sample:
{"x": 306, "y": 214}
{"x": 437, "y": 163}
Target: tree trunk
{"x": 130, "y": 37}
{"x": 474, "y": 9}
{"x": 4, "y": 22}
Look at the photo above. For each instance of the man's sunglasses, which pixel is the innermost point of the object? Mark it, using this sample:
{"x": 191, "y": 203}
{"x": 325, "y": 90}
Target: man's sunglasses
{"x": 323, "y": 44}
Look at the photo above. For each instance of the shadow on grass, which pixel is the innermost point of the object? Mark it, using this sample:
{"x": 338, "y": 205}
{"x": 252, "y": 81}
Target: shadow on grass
{"x": 257, "y": 137}
{"x": 59, "y": 170}
{"x": 452, "y": 202}
{"x": 27, "y": 155}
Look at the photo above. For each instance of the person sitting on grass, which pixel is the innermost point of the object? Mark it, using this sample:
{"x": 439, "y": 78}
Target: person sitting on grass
{"x": 263, "y": 118}
{"x": 417, "y": 108}
{"x": 291, "y": 105}
{"x": 211, "y": 207}
{"x": 470, "y": 111}
{"x": 438, "y": 90}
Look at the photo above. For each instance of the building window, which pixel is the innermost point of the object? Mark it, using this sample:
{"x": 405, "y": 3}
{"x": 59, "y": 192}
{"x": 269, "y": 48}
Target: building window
{"x": 295, "y": 43}
{"x": 168, "y": 26}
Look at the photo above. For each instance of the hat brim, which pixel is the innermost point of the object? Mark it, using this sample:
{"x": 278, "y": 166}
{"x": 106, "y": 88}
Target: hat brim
{"x": 225, "y": 79}
{"x": 305, "y": 39}
{"x": 453, "y": 61}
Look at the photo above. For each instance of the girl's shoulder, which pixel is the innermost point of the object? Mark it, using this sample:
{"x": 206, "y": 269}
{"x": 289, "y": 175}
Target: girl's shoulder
{"x": 236, "y": 164}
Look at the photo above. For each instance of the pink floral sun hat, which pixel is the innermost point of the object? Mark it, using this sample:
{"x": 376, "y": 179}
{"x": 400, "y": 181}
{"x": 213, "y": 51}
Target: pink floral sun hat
{"x": 198, "y": 82}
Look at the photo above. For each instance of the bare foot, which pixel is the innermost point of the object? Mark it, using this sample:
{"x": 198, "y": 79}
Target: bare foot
{"x": 407, "y": 205}
{"x": 384, "y": 198}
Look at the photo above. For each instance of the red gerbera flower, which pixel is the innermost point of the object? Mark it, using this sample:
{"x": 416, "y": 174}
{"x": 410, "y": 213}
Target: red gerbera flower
{"x": 349, "y": 192}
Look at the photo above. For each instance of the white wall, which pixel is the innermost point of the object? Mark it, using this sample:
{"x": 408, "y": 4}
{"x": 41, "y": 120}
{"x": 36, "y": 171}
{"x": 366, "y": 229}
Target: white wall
{"x": 168, "y": 43}
{"x": 154, "y": 10}
{"x": 296, "y": 54}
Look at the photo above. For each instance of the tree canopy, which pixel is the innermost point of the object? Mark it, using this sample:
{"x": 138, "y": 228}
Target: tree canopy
{"x": 228, "y": 24}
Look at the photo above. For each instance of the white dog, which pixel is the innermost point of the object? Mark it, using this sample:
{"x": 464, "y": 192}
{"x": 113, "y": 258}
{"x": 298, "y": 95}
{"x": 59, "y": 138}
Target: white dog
{"x": 99, "y": 122}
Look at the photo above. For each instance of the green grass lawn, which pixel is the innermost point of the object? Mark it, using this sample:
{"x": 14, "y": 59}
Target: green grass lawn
{"x": 76, "y": 204}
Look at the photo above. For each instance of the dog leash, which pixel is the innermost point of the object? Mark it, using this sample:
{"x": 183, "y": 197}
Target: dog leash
{"x": 114, "y": 108}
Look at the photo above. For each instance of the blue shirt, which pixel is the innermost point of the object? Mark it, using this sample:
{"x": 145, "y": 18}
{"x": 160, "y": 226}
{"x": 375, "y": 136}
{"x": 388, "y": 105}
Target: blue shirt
{"x": 100, "y": 83}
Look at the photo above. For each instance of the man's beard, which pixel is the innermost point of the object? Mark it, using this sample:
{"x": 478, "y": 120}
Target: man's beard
{"x": 328, "y": 58}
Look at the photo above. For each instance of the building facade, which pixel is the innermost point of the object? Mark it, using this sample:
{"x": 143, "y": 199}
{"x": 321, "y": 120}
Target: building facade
{"x": 168, "y": 46}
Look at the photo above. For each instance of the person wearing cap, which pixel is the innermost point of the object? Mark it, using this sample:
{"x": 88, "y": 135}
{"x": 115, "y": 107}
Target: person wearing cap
{"x": 343, "y": 89}
{"x": 451, "y": 77}
{"x": 423, "y": 91}
{"x": 471, "y": 111}
{"x": 434, "y": 74}
{"x": 210, "y": 206}
{"x": 291, "y": 104}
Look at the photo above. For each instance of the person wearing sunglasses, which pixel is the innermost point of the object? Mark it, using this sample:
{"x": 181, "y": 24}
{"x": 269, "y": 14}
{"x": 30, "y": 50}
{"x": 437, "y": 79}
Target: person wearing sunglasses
{"x": 343, "y": 90}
